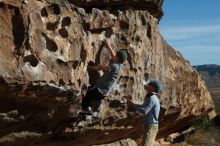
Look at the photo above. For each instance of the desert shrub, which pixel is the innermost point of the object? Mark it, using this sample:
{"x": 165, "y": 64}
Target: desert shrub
{"x": 205, "y": 133}
{"x": 204, "y": 125}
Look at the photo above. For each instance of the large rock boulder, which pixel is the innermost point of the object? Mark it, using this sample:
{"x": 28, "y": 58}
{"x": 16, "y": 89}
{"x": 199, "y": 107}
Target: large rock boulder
{"x": 45, "y": 47}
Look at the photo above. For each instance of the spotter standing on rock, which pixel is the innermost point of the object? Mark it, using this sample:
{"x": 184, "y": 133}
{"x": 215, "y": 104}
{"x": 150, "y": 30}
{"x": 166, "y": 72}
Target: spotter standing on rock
{"x": 150, "y": 109}
{"x": 112, "y": 72}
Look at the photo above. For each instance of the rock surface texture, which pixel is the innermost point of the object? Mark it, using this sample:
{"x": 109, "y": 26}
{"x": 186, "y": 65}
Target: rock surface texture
{"x": 45, "y": 47}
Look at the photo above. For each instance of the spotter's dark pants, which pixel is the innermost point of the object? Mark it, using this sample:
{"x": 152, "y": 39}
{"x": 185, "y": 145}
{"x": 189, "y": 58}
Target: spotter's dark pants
{"x": 92, "y": 94}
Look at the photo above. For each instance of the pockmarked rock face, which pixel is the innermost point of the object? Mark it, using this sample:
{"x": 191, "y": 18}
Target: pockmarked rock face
{"x": 45, "y": 47}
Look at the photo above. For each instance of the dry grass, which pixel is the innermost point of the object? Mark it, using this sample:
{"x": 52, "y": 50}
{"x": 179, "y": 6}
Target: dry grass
{"x": 217, "y": 106}
{"x": 215, "y": 93}
{"x": 207, "y": 138}
{"x": 201, "y": 138}
{"x": 205, "y": 134}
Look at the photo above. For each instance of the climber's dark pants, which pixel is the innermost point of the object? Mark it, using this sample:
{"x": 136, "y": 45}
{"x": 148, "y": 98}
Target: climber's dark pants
{"x": 92, "y": 94}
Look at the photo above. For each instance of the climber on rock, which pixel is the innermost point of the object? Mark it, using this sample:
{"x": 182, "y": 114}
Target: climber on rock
{"x": 105, "y": 83}
{"x": 150, "y": 109}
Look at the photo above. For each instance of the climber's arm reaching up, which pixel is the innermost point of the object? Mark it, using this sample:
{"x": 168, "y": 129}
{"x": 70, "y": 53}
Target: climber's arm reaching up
{"x": 111, "y": 51}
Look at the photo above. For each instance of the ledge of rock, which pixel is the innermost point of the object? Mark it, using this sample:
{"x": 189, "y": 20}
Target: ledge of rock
{"x": 44, "y": 52}
{"x": 153, "y": 6}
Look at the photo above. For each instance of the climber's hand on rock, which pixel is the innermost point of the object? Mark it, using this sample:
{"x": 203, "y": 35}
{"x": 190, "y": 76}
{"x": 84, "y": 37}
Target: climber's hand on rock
{"x": 129, "y": 100}
{"x": 129, "y": 97}
{"x": 106, "y": 42}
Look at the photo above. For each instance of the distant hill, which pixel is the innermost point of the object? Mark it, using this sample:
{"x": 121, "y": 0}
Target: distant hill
{"x": 210, "y": 73}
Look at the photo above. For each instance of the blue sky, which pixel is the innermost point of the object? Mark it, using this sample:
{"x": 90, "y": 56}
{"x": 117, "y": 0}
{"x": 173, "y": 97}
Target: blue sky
{"x": 193, "y": 28}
